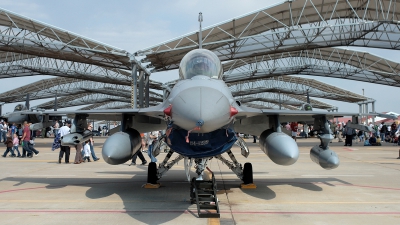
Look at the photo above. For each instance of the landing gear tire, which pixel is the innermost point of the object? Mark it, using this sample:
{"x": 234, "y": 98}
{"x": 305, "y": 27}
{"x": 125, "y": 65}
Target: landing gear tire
{"x": 248, "y": 173}
{"x": 152, "y": 173}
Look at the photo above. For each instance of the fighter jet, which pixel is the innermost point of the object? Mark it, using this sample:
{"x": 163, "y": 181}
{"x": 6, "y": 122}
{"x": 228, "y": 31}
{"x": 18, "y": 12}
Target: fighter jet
{"x": 201, "y": 119}
{"x": 22, "y": 113}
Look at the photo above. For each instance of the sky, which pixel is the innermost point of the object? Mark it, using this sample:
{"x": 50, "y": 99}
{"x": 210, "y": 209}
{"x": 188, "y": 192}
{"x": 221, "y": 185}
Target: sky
{"x": 133, "y": 25}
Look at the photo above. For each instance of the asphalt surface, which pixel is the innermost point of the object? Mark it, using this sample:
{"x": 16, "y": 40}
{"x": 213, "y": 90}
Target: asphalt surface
{"x": 364, "y": 189}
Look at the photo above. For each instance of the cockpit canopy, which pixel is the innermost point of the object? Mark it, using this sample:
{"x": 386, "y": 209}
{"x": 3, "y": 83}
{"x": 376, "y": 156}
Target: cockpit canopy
{"x": 19, "y": 107}
{"x": 306, "y": 107}
{"x": 200, "y": 62}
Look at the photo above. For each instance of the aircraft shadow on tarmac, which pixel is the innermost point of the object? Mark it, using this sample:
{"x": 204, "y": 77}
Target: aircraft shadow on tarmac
{"x": 264, "y": 192}
{"x": 171, "y": 200}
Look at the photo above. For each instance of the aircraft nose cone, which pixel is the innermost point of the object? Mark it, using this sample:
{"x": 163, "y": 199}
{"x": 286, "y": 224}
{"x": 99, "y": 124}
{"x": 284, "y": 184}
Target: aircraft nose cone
{"x": 203, "y": 107}
{"x": 117, "y": 149}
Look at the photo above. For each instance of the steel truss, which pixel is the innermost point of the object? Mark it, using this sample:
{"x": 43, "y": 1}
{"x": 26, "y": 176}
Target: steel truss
{"x": 92, "y": 97}
{"x": 112, "y": 105}
{"x": 23, "y": 35}
{"x": 286, "y": 27}
{"x": 283, "y": 39}
{"x": 107, "y": 105}
{"x": 293, "y": 86}
{"x": 287, "y": 99}
{"x": 61, "y": 86}
{"x": 328, "y": 62}
{"x": 19, "y": 65}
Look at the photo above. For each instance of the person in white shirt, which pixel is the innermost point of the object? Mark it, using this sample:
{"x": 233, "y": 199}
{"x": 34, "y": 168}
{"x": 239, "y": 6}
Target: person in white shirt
{"x": 152, "y": 138}
{"x": 64, "y": 149}
{"x": 86, "y": 151}
{"x": 4, "y": 131}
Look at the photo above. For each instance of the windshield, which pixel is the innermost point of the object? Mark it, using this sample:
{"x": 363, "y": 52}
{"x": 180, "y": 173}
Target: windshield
{"x": 200, "y": 62}
{"x": 18, "y": 108}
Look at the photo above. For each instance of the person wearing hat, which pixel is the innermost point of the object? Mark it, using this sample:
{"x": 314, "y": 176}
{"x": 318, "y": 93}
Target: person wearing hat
{"x": 64, "y": 130}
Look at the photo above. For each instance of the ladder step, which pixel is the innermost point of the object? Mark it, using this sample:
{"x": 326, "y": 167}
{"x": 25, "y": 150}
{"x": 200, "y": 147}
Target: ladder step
{"x": 204, "y": 185}
{"x": 205, "y": 199}
{"x": 203, "y": 206}
{"x": 203, "y": 192}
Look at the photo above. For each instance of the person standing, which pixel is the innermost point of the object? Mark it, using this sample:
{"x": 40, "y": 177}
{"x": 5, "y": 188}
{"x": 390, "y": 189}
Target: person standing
{"x": 15, "y": 144}
{"x": 27, "y": 150}
{"x": 78, "y": 155}
{"x": 139, "y": 152}
{"x": 9, "y": 144}
{"x": 383, "y": 130}
{"x": 4, "y": 131}
{"x": 151, "y": 141}
{"x": 64, "y": 130}
{"x": 349, "y": 132}
{"x": 91, "y": 144}
{"x": 293, "y": 127}
{"x": 56, "y": 127}
{"x": 86, "y": 151}
{"x": 13, "y": 129}
{"x": 334, "y": 129}
{"x": 1, "y": 130}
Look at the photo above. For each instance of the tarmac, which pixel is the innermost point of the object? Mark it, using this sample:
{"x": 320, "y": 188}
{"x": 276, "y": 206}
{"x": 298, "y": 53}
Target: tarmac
{"x": 364, "y": 189}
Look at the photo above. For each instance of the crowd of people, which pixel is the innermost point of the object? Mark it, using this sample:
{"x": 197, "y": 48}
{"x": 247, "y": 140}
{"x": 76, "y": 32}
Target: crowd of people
{"x": 13, "y": 136}
{"x": 83, "y": 151}
{"x": 379, "y": 134}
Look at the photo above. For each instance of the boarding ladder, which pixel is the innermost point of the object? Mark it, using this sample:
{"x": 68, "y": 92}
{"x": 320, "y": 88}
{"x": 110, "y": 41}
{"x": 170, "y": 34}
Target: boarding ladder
{"x": 204, "y": 194}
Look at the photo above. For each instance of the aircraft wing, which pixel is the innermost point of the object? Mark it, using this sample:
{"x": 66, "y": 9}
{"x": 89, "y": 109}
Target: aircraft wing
{"x": 255, "y": 121}
{"x": 144, "y": 120}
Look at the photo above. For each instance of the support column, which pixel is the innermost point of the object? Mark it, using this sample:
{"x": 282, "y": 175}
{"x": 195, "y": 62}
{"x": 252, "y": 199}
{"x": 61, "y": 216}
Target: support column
{"x": 55, "y": 103}
{"x": 134, "y": 86}
{"x": 147, "y": 91}
{"x": 27, "y": 101}
{"x": 141, "y": 89}
{"x": 366, "y": 110}
{"x": 337, "y": 119}
{"x": 280, "y": 103}
{"x": 164, "y": 95}
{"x": 373, "y": 110}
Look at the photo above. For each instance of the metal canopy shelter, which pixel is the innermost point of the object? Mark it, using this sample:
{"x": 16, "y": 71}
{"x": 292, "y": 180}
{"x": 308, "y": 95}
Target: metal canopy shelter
{"x": 295, "y": 86}
{"x": 291, "y": 100}
{"x": 88, "y": 98}
{"x": 327, "y": 62}
{"x": 280, "y": 40}
{"x": 92, "y": 97}
{"x": 23, "y": 35}
{"x": 286, "y": 27}
{"x": 61, "y": 86}
{"x": 107, "y": 105}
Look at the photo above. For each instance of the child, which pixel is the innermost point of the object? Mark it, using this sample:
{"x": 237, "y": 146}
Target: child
{"x": 16, "y": 143}
{"x": 9, "y": 144}
{"x": 86, "y": 151}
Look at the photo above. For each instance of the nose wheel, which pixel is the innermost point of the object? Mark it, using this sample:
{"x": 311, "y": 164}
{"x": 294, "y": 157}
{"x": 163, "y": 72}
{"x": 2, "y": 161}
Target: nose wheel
{"x": 248, "y": 173}
{"x": 152, "y": 173}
